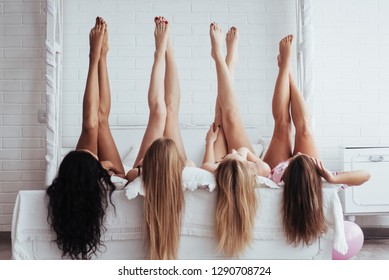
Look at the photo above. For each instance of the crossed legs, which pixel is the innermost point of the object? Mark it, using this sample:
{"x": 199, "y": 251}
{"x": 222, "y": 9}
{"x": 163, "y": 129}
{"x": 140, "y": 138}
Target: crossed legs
{"x": 163, "y": 95}
{"x": 287, "y": 105}
{"x": 96, "y": 136}
{"x": 232, "y": 123}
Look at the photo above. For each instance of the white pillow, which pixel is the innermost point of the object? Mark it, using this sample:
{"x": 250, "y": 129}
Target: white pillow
{"x": 195, "y": 177}
{"x": 265, "y": 142}
{"x": 135, "y": 188}
{"x": 258, "y": 149}
{"x": 119, "y": 182}
{"x": 264, "y": 182}
{"x": 192, "y": 178}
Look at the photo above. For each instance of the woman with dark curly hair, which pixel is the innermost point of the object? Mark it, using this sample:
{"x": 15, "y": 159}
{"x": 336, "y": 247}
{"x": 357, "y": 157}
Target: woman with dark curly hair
{"x": 80, "y": 194}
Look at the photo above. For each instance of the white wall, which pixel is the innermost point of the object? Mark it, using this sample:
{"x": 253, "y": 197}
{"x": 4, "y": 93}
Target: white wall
{"x": 22, "y": 93}
{"x": 351, "y": 58}
{"x": 352, "y": 78}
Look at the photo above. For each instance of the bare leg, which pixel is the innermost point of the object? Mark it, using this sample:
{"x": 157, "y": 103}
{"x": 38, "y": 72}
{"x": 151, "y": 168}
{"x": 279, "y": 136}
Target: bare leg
{"x": 304, "y": 142}
{"x": 157, "y": 118}
{"x": 280, "y": 147}
{"x": 90, "y": 109}
{"x": 232, "y": 39}
{"x": 232, "y": 123}
{"x": 172, "y": 99}
{"x": 107, "y": 150}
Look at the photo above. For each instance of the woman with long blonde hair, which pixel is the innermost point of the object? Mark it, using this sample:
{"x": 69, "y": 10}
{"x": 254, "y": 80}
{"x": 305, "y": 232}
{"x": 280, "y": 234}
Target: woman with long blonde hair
{"x": 299, "y": 168}
{"x": 230, "y": 155}
{"x": 161, "y": 156}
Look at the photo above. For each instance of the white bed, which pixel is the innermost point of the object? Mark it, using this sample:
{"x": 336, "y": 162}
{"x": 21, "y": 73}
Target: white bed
{"x": 32, "y": 237}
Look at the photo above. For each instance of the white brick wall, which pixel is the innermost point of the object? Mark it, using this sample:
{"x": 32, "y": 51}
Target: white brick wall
{"x": 22, "y": 86}
{"x": 351, "y": 73}
{"x": 351, "y": 77}
{"x": 261, "y": 25}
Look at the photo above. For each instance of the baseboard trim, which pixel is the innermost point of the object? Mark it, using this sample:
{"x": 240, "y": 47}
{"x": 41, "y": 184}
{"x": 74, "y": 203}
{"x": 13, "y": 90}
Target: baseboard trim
{"x": 376, "y": 232}
{"x": 5, "y": 235}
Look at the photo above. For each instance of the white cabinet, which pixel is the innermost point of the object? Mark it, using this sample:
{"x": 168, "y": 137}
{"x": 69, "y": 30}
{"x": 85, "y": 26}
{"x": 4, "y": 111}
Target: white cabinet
{"x": 373, "y": 196}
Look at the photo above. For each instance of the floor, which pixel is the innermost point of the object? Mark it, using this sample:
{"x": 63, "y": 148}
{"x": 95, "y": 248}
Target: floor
{"x": 373, "y": 249}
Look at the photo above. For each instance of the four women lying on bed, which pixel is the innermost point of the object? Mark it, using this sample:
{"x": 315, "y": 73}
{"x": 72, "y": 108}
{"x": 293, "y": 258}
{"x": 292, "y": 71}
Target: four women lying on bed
{"x": 80, "y": 194}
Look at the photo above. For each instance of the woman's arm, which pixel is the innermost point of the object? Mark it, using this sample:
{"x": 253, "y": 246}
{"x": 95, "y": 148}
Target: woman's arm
{"x": 132, "y": 174}
{"x": 210, "y": 139}
{"x": 263, "y": 169}
{"x": 209, "y": 155}
{"x": 209, "y": 166}
{"x": 108, "y": 165}
{"x": 351, "y": 178}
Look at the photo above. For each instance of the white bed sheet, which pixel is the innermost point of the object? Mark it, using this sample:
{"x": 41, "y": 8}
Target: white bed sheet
{"x": 32, "y": 236}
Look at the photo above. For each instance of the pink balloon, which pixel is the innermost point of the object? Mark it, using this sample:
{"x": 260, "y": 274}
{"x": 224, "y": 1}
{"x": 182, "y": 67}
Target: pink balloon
{"x": 354, "y": 238}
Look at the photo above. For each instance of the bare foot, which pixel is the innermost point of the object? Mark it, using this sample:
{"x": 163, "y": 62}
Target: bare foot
{"x": 216, "y": 40}
{"x": 161, "y": 35}
{"x": 232, "y": 40}
{"x": 169, "y": 47}
{"x": 96, "y": 36}
{"x": 105, "y": 47}
{"x": 285, "y": 52}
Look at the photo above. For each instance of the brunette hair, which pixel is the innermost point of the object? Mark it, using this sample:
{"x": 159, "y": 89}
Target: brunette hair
{"x": 235, "y": 207}
{"x": 302, "y": 210}
{"x": 78, "y": 198}
{"x": 164, "y": 198}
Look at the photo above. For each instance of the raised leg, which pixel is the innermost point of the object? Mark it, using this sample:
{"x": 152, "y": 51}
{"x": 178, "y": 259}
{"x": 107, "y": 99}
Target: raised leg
{"x": 157, "y": 117}
{"x": 232, "y": 40}
{"x": 280, "y": 147}
{"x": 172, "y": 98}
{"x": 235, "y": 133}
{"x": 90, "y": 109}
{"x": 304, "y": 141}
{"x": 107, "y": 150}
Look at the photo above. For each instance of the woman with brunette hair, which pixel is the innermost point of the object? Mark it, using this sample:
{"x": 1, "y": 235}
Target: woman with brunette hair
{"x": 161, "y": 156}
{"x": 80, "y": 193}
{"x": 230, "y": 155}
{"x": 299, "y": 168}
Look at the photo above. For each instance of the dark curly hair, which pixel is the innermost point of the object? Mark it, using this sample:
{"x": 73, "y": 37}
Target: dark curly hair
{"x": 78, "y": 198}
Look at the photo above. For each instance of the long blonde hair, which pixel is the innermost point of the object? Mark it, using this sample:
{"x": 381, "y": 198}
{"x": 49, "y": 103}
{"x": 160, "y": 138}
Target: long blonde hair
{"x": 302, "y": 210}
{"x": 235, "y": 207}
{"x": 164, "y": 198}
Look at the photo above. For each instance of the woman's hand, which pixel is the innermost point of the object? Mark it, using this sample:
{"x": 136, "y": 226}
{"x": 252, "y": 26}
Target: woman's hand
{"x": 212, "y": 134}
{"x": 140, "y": 163}
{"x": 327, "y": 175}
{"x": 106, "y": 164}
